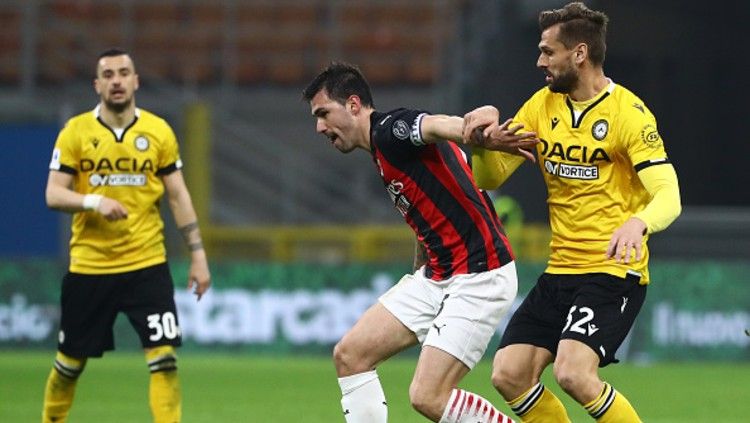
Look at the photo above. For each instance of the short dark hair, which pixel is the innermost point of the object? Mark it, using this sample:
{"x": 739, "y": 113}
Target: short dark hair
{"x": 114, "y": 51}
{"x": 340, "y": 80}
{"x": 111, "y": 52}
{"x": 579, "y": 25}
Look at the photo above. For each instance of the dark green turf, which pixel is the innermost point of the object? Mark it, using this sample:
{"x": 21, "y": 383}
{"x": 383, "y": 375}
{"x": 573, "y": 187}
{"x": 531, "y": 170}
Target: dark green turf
{"x": 241, "y": 388}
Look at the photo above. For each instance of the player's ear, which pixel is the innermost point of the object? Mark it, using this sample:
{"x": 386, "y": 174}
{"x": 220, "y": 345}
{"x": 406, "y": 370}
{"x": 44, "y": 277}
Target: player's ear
{"x": 96, "y": 85}
{"x": 580, "y": 53}
{"x": 354, "y": 104}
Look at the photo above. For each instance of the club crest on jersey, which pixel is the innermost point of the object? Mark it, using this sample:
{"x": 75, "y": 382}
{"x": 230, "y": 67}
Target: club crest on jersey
{"x": 401, "y": 130}
{"x": 600, "y": 129}
{"x": 141, "y": 143}
{"x": 650, "y": 136}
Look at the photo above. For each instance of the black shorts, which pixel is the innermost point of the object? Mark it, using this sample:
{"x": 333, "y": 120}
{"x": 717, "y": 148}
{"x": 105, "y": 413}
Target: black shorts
{"x": 90, "y": 303}
{"x": 597, "y": 309}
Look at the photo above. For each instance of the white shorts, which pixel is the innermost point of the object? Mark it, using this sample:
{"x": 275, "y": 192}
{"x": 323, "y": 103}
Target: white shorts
{"x": 457, "y": 315}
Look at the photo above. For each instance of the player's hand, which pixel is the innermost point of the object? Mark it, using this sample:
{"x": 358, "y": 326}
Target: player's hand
{"x": 478, "y": 124}
{"x": 506, "y": 138}
{"x": 199, "y": 278}
{"x": 112, "y": 209}
{"x": 626, "y": 238}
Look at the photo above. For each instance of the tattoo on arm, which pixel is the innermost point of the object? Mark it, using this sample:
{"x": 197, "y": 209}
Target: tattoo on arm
{"x": 193, "y": 242}
{"x": 420, "y": 255}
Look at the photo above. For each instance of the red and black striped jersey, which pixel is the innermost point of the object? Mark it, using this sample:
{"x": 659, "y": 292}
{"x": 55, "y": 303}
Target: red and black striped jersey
{"x": 432, "y": 186}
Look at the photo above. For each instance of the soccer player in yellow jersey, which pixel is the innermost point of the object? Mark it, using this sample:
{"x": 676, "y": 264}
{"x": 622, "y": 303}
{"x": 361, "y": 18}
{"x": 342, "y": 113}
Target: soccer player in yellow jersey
{"x": 610, "y": 185}
{"x": 110, "y": 167}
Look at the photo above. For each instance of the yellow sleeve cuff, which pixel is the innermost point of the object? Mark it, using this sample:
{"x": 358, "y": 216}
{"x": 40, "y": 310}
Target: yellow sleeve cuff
{"x": 661, "y": 183}
{"x": 492, "y": 168}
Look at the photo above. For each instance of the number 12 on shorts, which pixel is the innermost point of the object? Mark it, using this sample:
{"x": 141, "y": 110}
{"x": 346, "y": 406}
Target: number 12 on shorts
{"x": 163, "y": 326}
{"x": 579, "y": 326}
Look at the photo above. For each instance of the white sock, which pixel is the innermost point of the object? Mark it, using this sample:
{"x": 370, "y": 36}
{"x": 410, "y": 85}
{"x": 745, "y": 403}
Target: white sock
{"x": 467, "y": 407}
{"x": 363, "y": 399}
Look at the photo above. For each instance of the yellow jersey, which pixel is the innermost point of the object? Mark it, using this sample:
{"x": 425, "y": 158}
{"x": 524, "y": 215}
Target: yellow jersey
{"x": 590, "y": 153}
{"x": 125, "y": 165}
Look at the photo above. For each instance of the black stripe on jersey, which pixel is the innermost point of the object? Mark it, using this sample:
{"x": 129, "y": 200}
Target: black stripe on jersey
{"x": 67, "y": 169}
{"x": 452, "y": 209}
{"x": 648, "y": 163}
{"x": 135, "y": 119}
{"x": 167, "y": 170}
{"x": 435, "y": 243}
{"x": 577, "y": 123}
{"x": 479, "y": 201}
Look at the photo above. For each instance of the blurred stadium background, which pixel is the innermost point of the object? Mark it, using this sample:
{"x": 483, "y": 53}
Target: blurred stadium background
{"x": 302, "y": 240}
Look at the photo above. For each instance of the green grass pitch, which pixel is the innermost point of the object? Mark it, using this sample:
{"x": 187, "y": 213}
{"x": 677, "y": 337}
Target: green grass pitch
{"x": 246, "y": 388}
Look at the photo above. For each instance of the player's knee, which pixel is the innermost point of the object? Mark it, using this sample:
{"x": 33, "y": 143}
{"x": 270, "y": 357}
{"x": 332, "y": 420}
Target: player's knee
{"x": 69, "y": 367}
{"x": 570, "y": 378}
{"x": 342, "y": 358}
{"x": 509, "y": 380}
{"x": 161, "y": 359}
{"x": 425, "y": 400}
{"x": 348, "y": 361}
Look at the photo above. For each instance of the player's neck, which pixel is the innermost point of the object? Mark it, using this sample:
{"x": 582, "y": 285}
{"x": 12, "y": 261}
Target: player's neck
{"x": 590, "y": 84}
{"x": 366, "y": 127}
{"x": 115, "y": 119}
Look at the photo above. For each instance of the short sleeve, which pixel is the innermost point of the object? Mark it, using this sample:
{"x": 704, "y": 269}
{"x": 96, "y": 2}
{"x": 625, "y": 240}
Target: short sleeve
{"x": 399, "y": 130}
{"x": 641, "y": 139}
{"x": 66, "y": 153}
{"x": 169, "y": 156}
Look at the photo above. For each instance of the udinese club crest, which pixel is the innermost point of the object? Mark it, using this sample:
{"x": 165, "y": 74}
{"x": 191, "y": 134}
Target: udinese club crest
{"x": 600, "y": 129}
{"x": 141, "y": 143}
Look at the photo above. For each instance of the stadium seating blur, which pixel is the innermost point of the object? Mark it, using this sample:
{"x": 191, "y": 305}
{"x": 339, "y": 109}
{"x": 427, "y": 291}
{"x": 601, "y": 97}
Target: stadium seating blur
{"x": 245, "y": 42}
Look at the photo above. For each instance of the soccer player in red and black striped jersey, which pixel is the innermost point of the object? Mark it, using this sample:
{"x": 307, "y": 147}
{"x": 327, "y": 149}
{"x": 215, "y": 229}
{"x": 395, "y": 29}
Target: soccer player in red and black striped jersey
{"x": 464, "y": 279}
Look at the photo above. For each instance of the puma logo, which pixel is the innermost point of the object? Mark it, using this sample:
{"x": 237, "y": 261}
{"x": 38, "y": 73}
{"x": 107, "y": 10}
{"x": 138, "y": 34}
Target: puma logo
{"x": 437, "y": 328}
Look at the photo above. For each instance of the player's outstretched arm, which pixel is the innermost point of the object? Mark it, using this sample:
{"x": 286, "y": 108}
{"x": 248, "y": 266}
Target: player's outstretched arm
{"x": 199, "y": 277}
{"x": 59, "y": 195}
{"x": 438, "y": 128}
{"x": 482, "y": 129}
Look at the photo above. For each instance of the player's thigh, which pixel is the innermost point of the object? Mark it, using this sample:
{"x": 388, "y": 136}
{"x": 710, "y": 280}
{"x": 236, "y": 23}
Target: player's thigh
{"x": 522, "y": 363}
{"x": 576, "y": 357}
{"x": 88, "y": 308}
{"x": 149, "y": 304}
{"x": 376, "y": 336}
{"x": 540, "y": 317}
{"x": 603, "y": 313}
{"x": 470, "y": 312}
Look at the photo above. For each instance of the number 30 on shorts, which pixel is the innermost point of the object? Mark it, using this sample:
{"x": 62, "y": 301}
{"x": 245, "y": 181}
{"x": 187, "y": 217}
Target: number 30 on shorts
{"x": 163, "y": 325}
{"x": 579, "y": 326}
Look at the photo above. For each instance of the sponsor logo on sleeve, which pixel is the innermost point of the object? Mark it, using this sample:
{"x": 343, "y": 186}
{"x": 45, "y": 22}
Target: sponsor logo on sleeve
{"x": 650, "y": 136}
